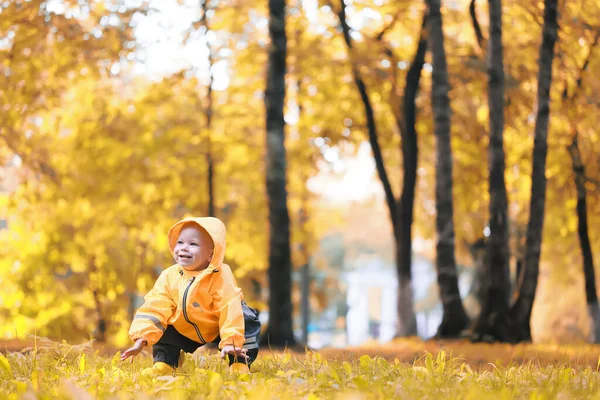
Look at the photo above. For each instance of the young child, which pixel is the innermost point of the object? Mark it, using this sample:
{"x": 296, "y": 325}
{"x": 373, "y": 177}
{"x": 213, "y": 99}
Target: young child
{"x": 195, "y": 302}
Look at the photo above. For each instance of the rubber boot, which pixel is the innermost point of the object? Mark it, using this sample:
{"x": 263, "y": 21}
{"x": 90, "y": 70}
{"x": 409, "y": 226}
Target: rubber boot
{"x": 239, "y": 368}
{"x": 158, "y": 369}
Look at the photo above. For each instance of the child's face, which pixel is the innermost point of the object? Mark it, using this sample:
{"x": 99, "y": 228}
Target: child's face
{"x": 193, "y": 250}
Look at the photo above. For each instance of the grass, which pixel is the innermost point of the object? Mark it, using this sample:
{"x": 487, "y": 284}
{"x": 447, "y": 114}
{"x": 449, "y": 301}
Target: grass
{"x": 60, "y": 371}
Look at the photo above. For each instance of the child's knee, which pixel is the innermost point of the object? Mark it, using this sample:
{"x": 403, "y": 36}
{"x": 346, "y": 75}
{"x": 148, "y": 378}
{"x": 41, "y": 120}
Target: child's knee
{"x": 168, "y": 354}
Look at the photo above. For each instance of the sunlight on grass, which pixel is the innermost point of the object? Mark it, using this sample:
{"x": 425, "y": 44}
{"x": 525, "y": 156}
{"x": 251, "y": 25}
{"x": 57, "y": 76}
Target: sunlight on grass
{"x": 60, "y": 371}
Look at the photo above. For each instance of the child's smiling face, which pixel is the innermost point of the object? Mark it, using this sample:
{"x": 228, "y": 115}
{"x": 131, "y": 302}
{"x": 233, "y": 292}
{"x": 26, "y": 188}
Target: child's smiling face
{"x": 194, "y": 248}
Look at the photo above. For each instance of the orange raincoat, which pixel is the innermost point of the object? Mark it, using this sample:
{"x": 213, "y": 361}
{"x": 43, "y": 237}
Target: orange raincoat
{"x": 201, "y": 305}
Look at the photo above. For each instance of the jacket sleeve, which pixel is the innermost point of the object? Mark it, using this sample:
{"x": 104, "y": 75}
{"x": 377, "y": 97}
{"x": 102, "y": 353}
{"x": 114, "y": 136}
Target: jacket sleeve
{"x": 227, "y": 298}
{"x": 151, "y": 318}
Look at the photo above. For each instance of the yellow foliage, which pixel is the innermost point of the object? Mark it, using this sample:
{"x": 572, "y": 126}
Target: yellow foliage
{"x": 110, "y": 162}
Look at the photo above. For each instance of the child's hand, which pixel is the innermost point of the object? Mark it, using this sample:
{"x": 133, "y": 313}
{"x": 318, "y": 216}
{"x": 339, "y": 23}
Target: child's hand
{"x": 133, "y": 350}
{"x": 234, "y": 351}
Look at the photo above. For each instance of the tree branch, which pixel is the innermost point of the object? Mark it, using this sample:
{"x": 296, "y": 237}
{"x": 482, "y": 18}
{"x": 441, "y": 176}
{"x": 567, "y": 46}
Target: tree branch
{"x": 389, "y": 26}
{"x": 370, "y": 116}
{"x": 475, "y": 22}
{"x": 573, "y": 97}
{"x": 414, "y": 75}
{"x": 582, "y": 70}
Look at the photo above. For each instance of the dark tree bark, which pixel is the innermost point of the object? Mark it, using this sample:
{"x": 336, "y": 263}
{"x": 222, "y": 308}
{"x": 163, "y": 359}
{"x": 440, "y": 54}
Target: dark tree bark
{"x": 494, "y": 322}
{"x": 407, "y": 324}
{"x": 99, "y": 332}
{"x": 476, "y": 290}
{"x": 454, "y": 319}
{"x": 209, "y": 158}
{"x": 279, "y": 331}
{"x": 370, "y": 117}
{"x": 211, "y": 186}
{"x": 475, "y": 22}
{"x": 401, "y": 212}
{"x": 410, "y": 152}
{"x": 524, "y": 304}
{"x": 208, "y": 113}
{"x": 518, "y": 276}
{"x": 591, "y": 295}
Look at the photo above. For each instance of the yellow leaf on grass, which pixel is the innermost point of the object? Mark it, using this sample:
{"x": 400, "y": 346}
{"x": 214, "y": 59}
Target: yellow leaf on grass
{"x": 361, "y": 383}
{"x": 347, "y": 368}
{"x": 429, "y": 362}
{"x": 20, "y": 387}
{"x": 82, "y": 363}
{"x": 35, "y": 379}
{"x": 116, "y": 358}
{"x": 421, "y": 369}
{"x": 333, "y": 373}
{"x": 466, "y": 368}
{"x": 365, "y": 361}
{"x": 216, "y": 382}
{"x": 5, "y": 365}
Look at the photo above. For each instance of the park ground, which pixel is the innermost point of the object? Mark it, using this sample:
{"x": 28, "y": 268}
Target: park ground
{"x": 404, "y": 369}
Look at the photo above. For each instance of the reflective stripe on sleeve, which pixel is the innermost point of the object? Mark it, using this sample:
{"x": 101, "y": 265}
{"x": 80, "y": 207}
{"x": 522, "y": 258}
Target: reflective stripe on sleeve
{"x": 151, "y": 318}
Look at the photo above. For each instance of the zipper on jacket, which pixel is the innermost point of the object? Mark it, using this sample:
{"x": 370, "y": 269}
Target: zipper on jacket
{"x": 185, "y": 293}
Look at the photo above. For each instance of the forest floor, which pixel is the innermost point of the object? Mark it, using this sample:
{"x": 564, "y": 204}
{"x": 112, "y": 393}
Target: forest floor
{"x": 408, "y": 368}
{"x": 412, "y": 349}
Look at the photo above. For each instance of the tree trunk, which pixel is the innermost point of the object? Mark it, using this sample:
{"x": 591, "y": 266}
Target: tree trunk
{"x": 208, "y": 113}
{"x": 99, "y": 333}
{"x": 209, "y": 158}
{"x": 406, "y": 316}
{"x": 211, "y": 184}
{"x": 580, "y": 180}
{"x": 584, "y": 240}
{"x": 524, "y": 304}
{"x": 454, "y": 319}
{"x": 407, "y": 321}
{"x": 496, "y": 294}
{"x": 518, "y": 277}
{"x": 279, "y": 331}
{"x": 480, "y": 276}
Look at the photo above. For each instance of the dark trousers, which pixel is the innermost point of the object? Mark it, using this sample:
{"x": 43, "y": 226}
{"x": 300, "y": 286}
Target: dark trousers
{"x": 172, "y": 342}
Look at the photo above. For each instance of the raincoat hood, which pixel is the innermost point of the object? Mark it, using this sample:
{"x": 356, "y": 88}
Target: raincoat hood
{"x": 215, "y": 229}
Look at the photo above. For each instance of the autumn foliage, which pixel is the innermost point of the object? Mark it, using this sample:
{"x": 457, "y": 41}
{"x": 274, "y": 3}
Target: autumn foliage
{"x": 101, "y": 155}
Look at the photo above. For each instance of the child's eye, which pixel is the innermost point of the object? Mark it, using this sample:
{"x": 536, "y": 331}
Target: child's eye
{"x": 194, "y": 244}
{"x": 179, "y": 242}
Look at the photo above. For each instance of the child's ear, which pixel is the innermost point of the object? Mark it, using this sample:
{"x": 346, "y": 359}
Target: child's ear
{"x": 210, "y": 257}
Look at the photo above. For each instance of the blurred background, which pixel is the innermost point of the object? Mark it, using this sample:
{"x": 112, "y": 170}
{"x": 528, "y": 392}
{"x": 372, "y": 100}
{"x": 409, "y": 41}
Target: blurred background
{"x": 119, "y": 117}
